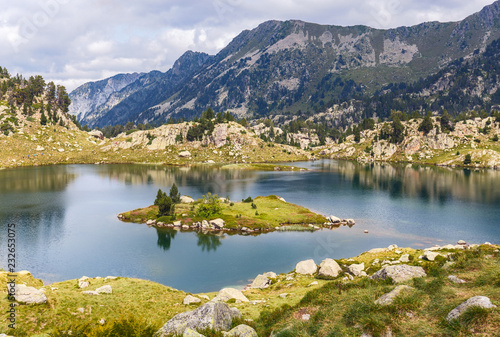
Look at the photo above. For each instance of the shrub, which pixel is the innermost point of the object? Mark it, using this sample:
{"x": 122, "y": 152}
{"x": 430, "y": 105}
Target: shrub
{"x": 249, "y": 199}
{"x": 209, "y": 206}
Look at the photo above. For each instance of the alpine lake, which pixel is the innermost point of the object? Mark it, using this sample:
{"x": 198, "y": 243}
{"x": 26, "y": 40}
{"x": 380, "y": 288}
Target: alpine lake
{"x": 66, "y": 221}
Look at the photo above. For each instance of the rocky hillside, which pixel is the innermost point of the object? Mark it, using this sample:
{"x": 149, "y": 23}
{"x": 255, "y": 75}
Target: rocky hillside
{"x": 294, "y": 66}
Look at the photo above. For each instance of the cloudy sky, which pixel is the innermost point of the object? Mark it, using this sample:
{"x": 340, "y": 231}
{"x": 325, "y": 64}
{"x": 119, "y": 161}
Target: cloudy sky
{"x": 75, "y": 41}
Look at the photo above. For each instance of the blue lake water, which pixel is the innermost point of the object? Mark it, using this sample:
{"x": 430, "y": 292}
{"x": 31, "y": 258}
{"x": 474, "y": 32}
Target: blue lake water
{"x": 66, "y": 224}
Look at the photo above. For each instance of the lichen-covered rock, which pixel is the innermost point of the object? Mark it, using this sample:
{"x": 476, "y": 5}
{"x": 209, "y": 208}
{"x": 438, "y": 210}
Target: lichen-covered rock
{"x": 307, "y": 267}
{"x": 399, "y": 273}
{"x": 241, "y": 330}
{"x": 186, "y": 200}
{"x": 189, "y": 299}
{"x": 29, "y": 295}
{"x": 184, "y": 154}
{"x": 388, "y": 298}
{"x": 329, "y": 268}
{"x": 227, "y": 294}
{"x": 217, "y": 223}
{"x": 430, "y": 256}
{"x": 212, "y": 315}
{"x": 191, "y": 333}
{"x": 476, "y": 301}
{"x": 83, "y": 282}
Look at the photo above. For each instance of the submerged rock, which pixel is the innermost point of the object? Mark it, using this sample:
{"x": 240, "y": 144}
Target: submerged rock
{"x": 476, "y": 301}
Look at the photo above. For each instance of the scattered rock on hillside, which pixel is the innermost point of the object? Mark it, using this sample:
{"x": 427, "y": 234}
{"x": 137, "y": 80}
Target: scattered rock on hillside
{"x": 83, "y": 282}
{"x": 357, "y": 269}
{"x": 476, "y": 301}
{"x": 388, "y": 298}
{"x": 399, "y": 273}
{"x": 260, "y": 282}
{"x": 330, "y": 268}
{"x": 104, "y": 290}
{"x": 241, "y": 330}
{"x": 307, "y": 267}
{"x": 455, "y": 279}
{"x": 186, "y": 200}
{"x": 184, "y": 154}
{"x": 227, "y": 294}
{"x": 212, "y": 315}
{"x": 97, "y": 134}
{"x": 405, "y": 258}
{"x": 430, "y": 256}
{"x": 90, "y": 292}
{"x": 29, "y": 295}
{"x": 189, "y": 299}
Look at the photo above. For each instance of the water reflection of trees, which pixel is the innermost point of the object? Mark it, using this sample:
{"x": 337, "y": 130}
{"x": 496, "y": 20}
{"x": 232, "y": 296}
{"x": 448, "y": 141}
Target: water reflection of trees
{"x": 165, "y": 237}
{"x": 425, "y": 182}
{"x": 204, "y": 178}
{"x": 208, "y": 242}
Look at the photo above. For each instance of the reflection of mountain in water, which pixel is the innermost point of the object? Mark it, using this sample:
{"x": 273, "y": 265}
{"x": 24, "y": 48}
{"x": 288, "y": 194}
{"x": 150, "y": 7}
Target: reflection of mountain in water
{"x": 165, "y": 237}
{"x": 425, "y": 182}
{"x": 36, "y": 179}
{"x": 204, "y": 178}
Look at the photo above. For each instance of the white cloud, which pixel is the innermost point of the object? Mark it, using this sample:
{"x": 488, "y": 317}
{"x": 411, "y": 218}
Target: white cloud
{"x": 74, "y": 41}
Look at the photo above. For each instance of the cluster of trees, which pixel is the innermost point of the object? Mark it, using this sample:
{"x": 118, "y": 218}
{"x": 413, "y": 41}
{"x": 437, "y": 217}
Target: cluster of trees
{"x": 111, "y": 131}
{"x": 166, "y": 203}
{"x": 206, "y": 124}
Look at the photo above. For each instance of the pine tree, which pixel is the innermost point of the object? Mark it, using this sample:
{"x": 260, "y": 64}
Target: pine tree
{"x": 159, "y": 195}
{"x": 164, "y": 206}
{"x": 174, "y": 194}
{"x": 426, "y": 125}
{"x": 43, "y": 119}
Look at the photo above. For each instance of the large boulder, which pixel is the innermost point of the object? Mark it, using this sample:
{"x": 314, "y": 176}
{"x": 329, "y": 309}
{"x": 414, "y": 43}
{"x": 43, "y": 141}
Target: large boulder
{"x": 333, "y": 219}
{"x": 388, "y": 298}
{"x": 430, "y": 256}
{"x": 212, "y": 315}
{"x": 476, "y": 301}
{"x": 217, "y": 223}
{"x": 29, "y": 295}
{"x": 329, "y": 267}
{"x": 399, "y": 273}
{"x": 307, "y": 267}
{"x": 241, "y": 330}
{"x": 356, "y": 269}
{"x": 260, "y": 282}
{"x": 83, "y": 282}
{"x": 227, "y": 294}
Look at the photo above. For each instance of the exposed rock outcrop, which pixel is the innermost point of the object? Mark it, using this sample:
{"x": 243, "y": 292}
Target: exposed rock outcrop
{"x": 399, "y": 273}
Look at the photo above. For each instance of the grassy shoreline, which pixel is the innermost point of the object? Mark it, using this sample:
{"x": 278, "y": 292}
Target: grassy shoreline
{"x": 260, "y": 214}
{"x": 145, "y": 306}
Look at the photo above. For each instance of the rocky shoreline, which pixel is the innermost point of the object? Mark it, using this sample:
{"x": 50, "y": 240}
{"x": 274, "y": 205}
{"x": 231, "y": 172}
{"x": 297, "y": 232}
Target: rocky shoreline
{"x": 218, "y": 311}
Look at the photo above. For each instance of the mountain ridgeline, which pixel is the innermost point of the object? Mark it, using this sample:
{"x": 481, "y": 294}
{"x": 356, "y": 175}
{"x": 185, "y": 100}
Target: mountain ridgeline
{"x": 297, "y": 68}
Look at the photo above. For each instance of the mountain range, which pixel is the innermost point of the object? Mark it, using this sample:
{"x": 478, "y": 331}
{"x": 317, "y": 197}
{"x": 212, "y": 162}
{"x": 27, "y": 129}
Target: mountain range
{"x": 288, "y": 68}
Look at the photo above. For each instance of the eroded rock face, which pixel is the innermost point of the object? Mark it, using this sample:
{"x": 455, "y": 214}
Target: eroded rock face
{"x": 213, "y": 315}
{"x": 307, "y": 267}
{"x": 330, "y": 268}
{"x": 388, "y": 298}
{"x": 476, "y": 301}
{"x": 399, "y": 273}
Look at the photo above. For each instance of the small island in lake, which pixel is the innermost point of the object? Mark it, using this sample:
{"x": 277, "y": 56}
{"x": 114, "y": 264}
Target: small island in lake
{"x": 211, "y": 212}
